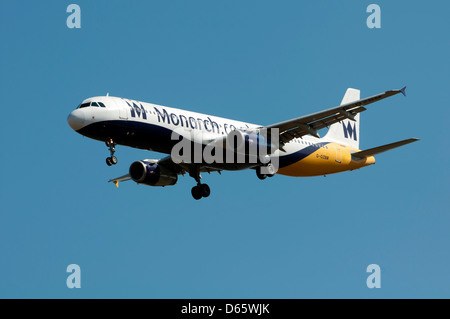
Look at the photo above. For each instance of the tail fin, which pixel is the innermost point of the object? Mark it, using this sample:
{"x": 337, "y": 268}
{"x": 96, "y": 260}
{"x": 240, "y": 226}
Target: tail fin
{"x": 347, "y": 131}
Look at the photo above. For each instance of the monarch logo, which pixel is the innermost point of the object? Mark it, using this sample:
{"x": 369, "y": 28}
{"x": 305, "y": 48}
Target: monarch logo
{"x": 349, "y": 131}
{"x": 137, "y": 110}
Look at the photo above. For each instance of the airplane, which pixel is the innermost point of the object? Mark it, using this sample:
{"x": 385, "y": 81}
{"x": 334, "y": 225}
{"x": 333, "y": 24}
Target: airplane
{"x": 294, "y": 145}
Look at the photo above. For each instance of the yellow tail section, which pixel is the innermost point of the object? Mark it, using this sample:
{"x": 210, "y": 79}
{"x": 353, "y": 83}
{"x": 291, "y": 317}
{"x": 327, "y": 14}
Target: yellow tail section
{"x": 329, "y": 159}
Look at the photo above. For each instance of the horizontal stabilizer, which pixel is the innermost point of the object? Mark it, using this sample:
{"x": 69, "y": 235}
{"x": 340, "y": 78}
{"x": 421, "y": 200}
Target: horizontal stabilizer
{"x": 384, "y": 148}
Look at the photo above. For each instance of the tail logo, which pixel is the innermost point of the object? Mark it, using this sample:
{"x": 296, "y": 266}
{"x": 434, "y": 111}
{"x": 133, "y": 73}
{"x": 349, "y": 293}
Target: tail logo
{"x": 349, "y": 131}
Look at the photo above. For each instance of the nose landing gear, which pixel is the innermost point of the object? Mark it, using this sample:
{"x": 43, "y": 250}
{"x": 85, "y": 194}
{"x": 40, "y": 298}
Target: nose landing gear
{"x": 112, "y": 160}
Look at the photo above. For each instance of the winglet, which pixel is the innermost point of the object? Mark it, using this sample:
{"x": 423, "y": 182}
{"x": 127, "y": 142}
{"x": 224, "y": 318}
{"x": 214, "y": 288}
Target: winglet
{"x": 403, "y": 89}
{"x": 116, "y": 182}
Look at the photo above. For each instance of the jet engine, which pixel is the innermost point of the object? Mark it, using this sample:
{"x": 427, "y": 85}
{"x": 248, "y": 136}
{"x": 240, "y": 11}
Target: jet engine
{"x": 248, "y": 143}
{"x": 152, "y": 174}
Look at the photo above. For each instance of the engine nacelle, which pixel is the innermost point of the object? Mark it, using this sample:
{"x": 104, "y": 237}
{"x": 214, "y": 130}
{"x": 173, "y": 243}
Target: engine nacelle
{"x": 152, "y": 174}
{"x": 247, "y": 142}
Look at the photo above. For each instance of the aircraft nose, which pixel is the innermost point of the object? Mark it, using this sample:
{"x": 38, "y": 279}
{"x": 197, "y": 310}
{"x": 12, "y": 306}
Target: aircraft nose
{"x": 76, "y": 119}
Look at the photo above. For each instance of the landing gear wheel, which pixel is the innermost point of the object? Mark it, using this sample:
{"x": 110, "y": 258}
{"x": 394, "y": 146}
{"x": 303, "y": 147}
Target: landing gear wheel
{"x": 201, "y": 190}
{"x": 204, "y": 190}
{"x": 111, "y": 160}
{"x": 260, "y": 175}
{"x": 196, "y": 192}
{"x": 269, "y": 169}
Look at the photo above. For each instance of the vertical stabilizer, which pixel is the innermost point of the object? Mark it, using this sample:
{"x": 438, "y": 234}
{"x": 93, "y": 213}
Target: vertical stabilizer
{"x": 347, "y": 131}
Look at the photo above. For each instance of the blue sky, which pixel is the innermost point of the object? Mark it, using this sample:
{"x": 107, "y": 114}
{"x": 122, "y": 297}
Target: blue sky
{"x": 255, "y": 61}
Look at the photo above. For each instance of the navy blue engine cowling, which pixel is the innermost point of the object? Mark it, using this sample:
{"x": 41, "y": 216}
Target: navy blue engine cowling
{"x": 246, "y": 142}
{"x": 152, "y": 174}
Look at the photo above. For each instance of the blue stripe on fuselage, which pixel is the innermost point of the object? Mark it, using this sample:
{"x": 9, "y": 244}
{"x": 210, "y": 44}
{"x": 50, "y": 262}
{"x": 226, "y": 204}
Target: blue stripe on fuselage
{"x": 131, "y": 133}
{"x": 299, "y": 155}
{"x": 158, "y": 138}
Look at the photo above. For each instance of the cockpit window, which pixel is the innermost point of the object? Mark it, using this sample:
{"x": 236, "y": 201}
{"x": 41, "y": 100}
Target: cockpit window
{"x": 95, "y": 104}
{"x": 85, "y": 105}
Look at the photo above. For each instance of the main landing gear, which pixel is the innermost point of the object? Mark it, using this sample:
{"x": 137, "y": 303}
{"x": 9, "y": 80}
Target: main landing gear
{"x": 201, "y": 190}
{"x": 112, "y": 160}
{"x": 269, "y": 171}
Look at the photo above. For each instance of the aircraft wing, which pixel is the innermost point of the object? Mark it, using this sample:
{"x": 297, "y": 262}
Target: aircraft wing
{"x": 123, "y": 178}
{"x": 183, "y": 168}
{"x": 310, "y": 124}
{"x": 167, "y": 162}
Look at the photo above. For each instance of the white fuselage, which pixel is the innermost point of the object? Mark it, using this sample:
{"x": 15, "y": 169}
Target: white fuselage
{"x": 150, "y": 126}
